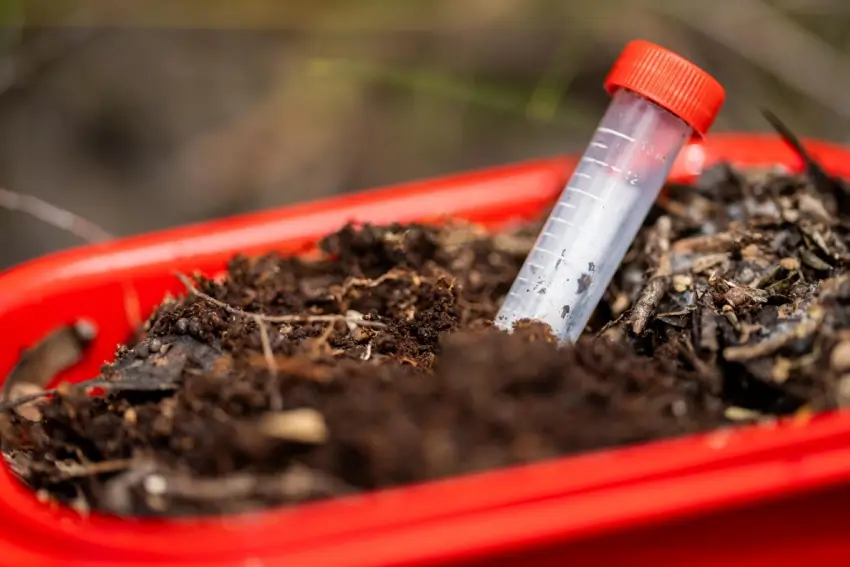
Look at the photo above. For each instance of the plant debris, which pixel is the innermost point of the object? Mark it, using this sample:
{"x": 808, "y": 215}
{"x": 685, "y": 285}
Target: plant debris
{"x": 37, "y": 366}
{"x": 376, "y": 365}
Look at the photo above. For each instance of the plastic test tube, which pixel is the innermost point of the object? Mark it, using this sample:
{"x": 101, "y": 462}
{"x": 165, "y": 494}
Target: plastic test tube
{"x": 659, "y": 102}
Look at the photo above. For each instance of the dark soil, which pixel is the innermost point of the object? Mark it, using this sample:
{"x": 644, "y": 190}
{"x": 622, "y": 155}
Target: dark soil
{"x": 377, "y": 366}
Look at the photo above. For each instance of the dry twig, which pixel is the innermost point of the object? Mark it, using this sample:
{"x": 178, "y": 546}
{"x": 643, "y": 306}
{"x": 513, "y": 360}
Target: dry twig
{"x": 771, "y": 345}
{"x": 658, "y": 285}
{"x": 718, "y": 243}
{"x": 87, "y": 385}
{"x": 80, "y": 227}
{"x": 53, "y": 215}
{"x": 77, "y": 470}
{"x": 192, "y": 289}
{"x": 21, "y": 400}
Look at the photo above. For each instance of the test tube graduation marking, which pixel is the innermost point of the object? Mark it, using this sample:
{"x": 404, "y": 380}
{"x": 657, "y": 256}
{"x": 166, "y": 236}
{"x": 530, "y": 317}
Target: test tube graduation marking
{"x": 660, "y": 100}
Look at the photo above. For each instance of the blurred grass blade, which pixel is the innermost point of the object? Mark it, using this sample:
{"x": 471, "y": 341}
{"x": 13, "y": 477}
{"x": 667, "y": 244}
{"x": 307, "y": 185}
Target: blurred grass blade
{"x": 495, "y": 97}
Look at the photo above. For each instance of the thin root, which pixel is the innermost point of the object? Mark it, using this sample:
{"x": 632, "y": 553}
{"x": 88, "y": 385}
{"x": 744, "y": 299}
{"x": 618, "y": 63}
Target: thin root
{"x": 192, "y": 289}
{"x": 275, "y": 400}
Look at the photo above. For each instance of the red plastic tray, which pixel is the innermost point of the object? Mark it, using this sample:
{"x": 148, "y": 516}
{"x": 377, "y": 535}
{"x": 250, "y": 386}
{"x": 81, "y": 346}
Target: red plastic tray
{"x": 762, "y": 495}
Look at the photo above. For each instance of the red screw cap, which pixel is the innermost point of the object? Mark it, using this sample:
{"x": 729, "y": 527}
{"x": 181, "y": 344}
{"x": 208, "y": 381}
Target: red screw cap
{"x": 669, "y": 81}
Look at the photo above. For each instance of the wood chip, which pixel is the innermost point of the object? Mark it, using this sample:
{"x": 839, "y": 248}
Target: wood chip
{"x": 648, "y": 302}
{"x": 770, "y": 345}
{"x": 813, "y": 208}
{"x": 810, "y": 259}
{"x": 712, "y": 243}
{"x": 704, "y": 263}
{"x": 741, "y": 414}
{"x": 304, "y": 425}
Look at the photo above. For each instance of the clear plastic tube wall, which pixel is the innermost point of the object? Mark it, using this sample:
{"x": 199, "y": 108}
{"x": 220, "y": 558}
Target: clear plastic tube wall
{"x": 596, "y": 217}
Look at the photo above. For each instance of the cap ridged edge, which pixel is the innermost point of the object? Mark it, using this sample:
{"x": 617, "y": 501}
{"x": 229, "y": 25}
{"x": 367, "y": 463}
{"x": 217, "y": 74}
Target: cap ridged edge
{"x": 670, "y": 81}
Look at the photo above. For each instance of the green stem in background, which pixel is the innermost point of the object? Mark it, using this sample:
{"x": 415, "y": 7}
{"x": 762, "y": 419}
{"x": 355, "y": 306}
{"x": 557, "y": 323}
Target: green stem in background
{"x": 12, "y": 21}
{"x": 542, "y": 105}
{"x": 547, "y": 96}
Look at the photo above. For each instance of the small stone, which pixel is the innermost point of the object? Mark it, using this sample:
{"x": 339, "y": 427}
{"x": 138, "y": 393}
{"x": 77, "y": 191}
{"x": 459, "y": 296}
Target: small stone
{"x": 750, "y": 252}
{"x": 131, "y": 417}
{"x": 781, "y": 370}
{"x": 681, "y": 283}
{"x": 86, "y": 329}
{"x": 839, "y": 358}
{"x": 155, "y": 345}
{"x": 155, "y": 484}
{"x": 182, "y": 325}
{"x": 142, "y": 350}
{"x": 790, "y": 263}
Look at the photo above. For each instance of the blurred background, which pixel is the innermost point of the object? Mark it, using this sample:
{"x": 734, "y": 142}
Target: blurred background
{"x": 146, "y": 114}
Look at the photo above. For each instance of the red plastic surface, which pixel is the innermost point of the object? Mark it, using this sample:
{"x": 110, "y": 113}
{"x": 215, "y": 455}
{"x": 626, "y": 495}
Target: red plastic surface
{"x": 764, "y": 495}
